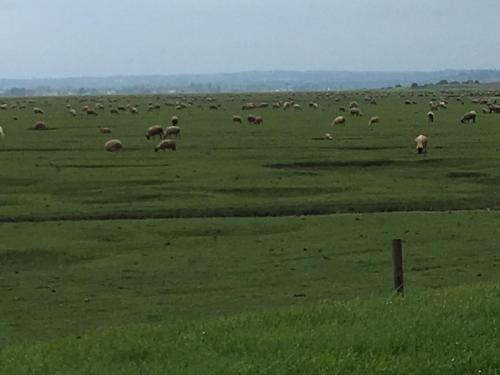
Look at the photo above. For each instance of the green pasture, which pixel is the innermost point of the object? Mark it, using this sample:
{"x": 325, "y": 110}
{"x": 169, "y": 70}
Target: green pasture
{"x": 241, "y": 217}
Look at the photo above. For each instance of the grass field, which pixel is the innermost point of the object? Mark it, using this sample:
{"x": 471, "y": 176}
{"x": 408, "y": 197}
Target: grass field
{"x": 447, "y": 332}
{"x": 240, "y": 218}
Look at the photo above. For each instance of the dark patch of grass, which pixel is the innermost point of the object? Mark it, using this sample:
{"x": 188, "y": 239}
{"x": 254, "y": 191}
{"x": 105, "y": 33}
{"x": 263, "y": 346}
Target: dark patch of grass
{"x": 243, "y": 212}
{"x": 467, "y": 174}
{"x": 105, "y": 166}
{"x": 324, "y": 165}
{"x": 370, "y": 148}
{"x": 36, "y": 259}
{"x": 479, "y": 177}
{"x": 280, "y": 191}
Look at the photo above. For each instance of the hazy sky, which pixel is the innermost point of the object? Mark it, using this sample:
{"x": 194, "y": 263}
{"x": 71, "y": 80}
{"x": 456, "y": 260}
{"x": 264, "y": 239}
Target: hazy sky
{"x": 58, "y": 38}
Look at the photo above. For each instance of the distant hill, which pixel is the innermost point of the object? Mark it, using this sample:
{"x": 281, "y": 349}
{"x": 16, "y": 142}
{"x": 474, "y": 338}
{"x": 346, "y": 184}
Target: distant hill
{"x": 255, "y": 81}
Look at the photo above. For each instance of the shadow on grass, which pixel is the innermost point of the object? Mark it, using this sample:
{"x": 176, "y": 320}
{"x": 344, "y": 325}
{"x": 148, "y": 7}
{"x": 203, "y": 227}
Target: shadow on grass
{"x": 325, "y": 165}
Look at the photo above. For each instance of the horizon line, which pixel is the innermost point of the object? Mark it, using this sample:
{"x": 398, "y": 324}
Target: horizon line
{"x": 250, "y": 71}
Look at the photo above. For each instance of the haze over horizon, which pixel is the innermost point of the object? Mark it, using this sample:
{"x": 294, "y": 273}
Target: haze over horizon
{"x": 55, "y": 39}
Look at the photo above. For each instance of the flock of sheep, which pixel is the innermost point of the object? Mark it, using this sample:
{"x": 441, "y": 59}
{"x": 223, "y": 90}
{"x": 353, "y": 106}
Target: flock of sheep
{"x": 168, "y": 135}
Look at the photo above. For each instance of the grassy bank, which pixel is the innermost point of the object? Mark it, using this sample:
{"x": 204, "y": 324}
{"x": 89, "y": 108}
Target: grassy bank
{"x": 453, "y": 331}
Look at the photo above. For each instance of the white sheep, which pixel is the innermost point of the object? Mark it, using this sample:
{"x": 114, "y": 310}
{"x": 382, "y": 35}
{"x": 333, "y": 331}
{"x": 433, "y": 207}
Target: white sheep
{"x": 38, "y": 110}
{"x": 421, "y": 142}
{"x": 237, "y": 119}
{"x": 339, "y": 120}
{"x": 355, "y": 111}
{"x": 469, "y": 116}
{"x": 373, "y": 120}
{"x": 166, "y": 144}
{"x": 172, "y": 131}
{"x": 248, "y": 106}
{"x": 430, "y": 116}
{"x": 105, "y": 130}
{"x": 154, "y": 131}
{"x": 113, "y": 145}
{"x": 174, "y": 120}
{"x": 2, "y": 133}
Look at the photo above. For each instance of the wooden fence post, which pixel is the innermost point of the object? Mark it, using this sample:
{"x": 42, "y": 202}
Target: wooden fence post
{"x": 397, "y": 266}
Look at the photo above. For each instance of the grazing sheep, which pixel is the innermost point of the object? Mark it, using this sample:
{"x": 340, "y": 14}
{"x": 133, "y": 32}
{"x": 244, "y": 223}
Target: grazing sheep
{"x": 2, "y": 133}
{"x": 354, "y": 104}
{"x": 38, "y": 111}
{"x": 342, "y": 109}
{"x": 213, "y": 106}
{"x": 105, "y": 130}
{"x": 40, "y": 125}
{"x": 4, "y": 106}
{"x": 91, "y": 112}
{"x": 328, "y": 136}
{"x": 114, "y": 111}
{"x": 355, "y": 111}
{"x": 258, "y": 120}
{"x": 443, "y": 105}
{"x": 154, "y": 131}
{"x": 237, "y": 119}
{"x": 166, "y": 144}
{"x": 430, "y": 116}
{"x": 485, "y": 110}
{"x": 286, "y": 105}
{"x": 407, "y": 101}
{"x": 248, "y": 106}
{"x": 174, "y": 120}
{"x": 339, "y": 120}
{"x": 72, "y": 112}
{"x": 263, "y": 105}
{"x": 251, "y": 119}
{"x": 313, "y": 105}
{"x": 469, "y": 116}
{"x": 373, "y": 120}
{"x": 276, "y": 105}
{"x": 113, "y": 145}
{"x": 297, "y": 106}
{"x": 134, "y": 110}
{"x": 421, "y": 142}
{"x": 494, "y": 108}
{"x": 172, "y": 131}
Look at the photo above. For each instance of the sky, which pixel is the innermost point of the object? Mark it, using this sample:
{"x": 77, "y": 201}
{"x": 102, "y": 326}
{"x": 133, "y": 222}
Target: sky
{"x": 61, "y": 38}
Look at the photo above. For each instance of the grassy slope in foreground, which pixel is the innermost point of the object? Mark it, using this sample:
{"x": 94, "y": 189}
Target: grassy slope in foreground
{"x": 451, "y": 331}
